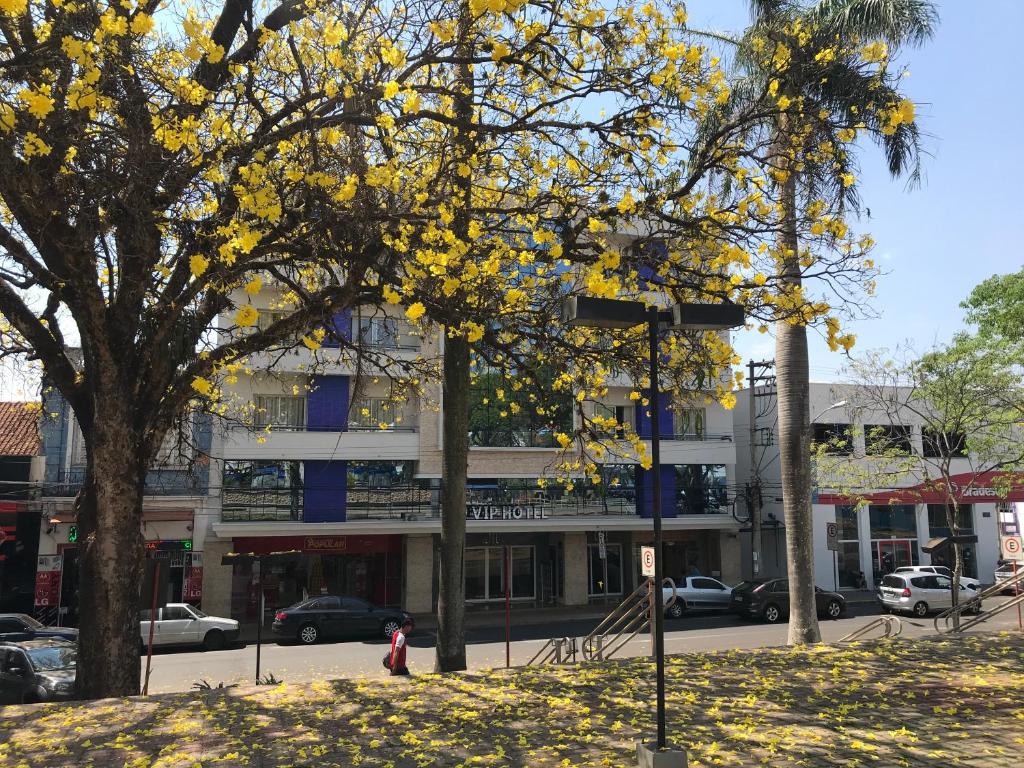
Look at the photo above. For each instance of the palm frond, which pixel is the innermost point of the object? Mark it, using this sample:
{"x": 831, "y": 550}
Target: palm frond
{"x": 897, "y": 22}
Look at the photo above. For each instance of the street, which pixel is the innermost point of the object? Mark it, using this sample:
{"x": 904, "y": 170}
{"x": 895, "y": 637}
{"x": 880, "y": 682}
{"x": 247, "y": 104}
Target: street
{"x": 179, "y": 670}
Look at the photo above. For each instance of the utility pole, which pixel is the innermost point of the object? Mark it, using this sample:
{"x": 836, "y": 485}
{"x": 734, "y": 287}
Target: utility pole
{"x": 754, "y": 496}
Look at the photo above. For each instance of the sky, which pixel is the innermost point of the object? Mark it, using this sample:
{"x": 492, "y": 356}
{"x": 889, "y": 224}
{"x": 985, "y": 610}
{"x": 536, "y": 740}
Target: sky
{"x": 935, "y": 242}
{"x": 938, "y": 241}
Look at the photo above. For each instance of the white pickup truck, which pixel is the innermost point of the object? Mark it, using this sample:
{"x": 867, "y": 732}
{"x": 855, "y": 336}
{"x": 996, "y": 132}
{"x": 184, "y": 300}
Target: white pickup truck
{"x": 181, "y": 624}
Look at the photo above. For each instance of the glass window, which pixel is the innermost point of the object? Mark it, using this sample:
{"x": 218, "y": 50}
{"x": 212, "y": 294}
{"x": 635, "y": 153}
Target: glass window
{"x": 688, "y": 423}
{"x": 280, "y": 411}
{"x": 354, "y": 604}
{"x": 895, "y": 582}
{"x": 887, "y": 439}
{"x": 942, "y": 582}
{"x": 522, "y": 572}
{"x": 923, "y": 582}
{"x": 495, "y": 572}
{"x": 373, "y": 413}
{"x": 896, "y": 521}
{"x": 175, "y": 612}
{"x": 377, "y": 331}
{"x": 623, "y": 416}
{"x": 938, "y": 522}
{"x": 707, "y": 584}
{"x": 700, "y": 488}
{"x": 851, "y": 574}
{"x": 380, "y": 474}
{"x": 597, "y": 567}
{"x": 938, "y": 444}
{"x": 782, "y": 585}
{"x": 846, "y": 518}
{"x": 836, "y": 439}
{"x": 49, "y": 659}
{"x": 475, "y": 562}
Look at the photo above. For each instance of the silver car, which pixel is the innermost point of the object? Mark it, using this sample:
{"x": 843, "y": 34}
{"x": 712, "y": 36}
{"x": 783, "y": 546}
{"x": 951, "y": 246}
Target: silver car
{"x": 940, "y": 570}
{"x": 697, "y": 593}
{"x": 1005, "y": 572}
{"x": 920, "y": 593}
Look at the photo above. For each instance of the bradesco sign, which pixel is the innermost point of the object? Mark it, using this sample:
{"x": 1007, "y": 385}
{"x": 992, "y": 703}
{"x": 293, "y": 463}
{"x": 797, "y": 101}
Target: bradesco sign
{"x": 505, "y": 512}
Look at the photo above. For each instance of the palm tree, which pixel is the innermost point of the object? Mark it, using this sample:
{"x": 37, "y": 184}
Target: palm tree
{"x": 835, "y": 89}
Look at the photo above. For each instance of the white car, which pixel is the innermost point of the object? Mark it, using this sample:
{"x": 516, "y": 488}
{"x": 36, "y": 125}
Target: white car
{"x": 940, "y": 570}
{"x": 181, "y": 624}
{"x": 920, "y": 593}
{"x": 697, "y": 593}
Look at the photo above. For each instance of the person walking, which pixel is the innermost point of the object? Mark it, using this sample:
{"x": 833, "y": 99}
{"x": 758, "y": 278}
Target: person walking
{"x": 398, "y": 648}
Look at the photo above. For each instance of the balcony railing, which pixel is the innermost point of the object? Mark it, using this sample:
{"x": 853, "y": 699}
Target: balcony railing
{"x": 540, "y": 437}
{"x": 349, "y": 427}
{"x": 168, "y": 481}
{"x": 242, "y": 505}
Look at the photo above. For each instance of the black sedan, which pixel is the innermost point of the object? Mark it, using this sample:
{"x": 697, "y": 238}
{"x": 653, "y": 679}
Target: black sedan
{"x": 37, "y": 670}
{"x": 769, "y": 600}
{"x": 20, "y": 626}
{"x": 329, "y": 616}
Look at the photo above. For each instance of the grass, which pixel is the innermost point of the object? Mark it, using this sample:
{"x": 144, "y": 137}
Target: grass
{"x": 932, "y": 702}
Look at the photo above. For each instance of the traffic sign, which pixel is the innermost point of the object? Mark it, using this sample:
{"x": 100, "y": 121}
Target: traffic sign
{"x": 832, "y": 536}
{"x": 647, "y": 561}
{"x": 1011, "y": 548}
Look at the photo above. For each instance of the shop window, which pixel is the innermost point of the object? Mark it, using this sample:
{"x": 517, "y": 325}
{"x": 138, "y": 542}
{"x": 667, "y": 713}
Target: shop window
{"x": 938, "y": 444}
{"x": 851, "y": 575}
{"x": 888, "y": 439}
{"x": 688, "y": 423}
{"x": 938, "y": 520}
{"x": 897, "y": 521}
{"x": 597, "y": 568}
{"x": 846, "y": 518}
{"x": 834, "y": 439}
{"x": 484, "y": 569}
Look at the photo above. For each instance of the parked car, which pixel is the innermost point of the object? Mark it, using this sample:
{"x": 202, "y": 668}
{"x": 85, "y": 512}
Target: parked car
{"x": 182, "y": 624}
{"x": 920, "y": 594}
{"x": 21, "y": 626}
{"x": 37, "y": 670}
{"x": 769, "y": 600}
{"x": 1004, "y": 572}
{"x": 331, "y": 616}
{"x": 697, "y": 593}
{"x": 940, "y": 570}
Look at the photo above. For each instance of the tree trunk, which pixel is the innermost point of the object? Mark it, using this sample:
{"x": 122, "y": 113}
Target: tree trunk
{"x": 793, "y": 377}
{"x": 952, "y": 521}
{"x": 451, "y": 604}
{"x": 110, "y": 553}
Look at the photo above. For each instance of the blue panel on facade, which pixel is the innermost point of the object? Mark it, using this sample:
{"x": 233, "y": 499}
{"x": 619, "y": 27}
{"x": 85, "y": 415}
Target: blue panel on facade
{"x": 324, "y": 496}
{"x": 645, "y": 492}
{"x": 327, "y": 404}
{"x": 665, "y": 422}
{"x": 339, "y": 329}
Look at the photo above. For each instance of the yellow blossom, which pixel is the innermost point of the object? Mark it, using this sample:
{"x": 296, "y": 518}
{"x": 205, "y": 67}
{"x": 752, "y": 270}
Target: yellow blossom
{"x": 416, "y": 311}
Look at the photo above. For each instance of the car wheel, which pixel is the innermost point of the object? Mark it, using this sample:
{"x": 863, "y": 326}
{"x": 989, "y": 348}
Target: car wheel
{"x": 214, "y": 640}
{"x": 308, "y": 634}
{"x": 834, "y": 609}
{"x": 772, "y": 614}
{"x": 921, "y": 609}
{"x": 677, "y": 609}
{"x": 389, "y": 627}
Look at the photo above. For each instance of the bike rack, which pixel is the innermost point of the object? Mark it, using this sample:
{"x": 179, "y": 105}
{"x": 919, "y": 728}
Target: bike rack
{"x": 628, "y": 619}
{"x": 892, "y": 629}
{"x": 1016, "y": 582}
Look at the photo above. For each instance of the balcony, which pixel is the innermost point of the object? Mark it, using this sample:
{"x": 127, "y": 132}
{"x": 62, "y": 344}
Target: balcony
{"x": 331, "y": 442}
{"x": 162, "y": 482}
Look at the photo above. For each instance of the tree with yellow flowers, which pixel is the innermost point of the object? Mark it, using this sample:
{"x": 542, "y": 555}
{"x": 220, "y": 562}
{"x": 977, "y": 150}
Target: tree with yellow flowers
{"x": 152, "y": 165}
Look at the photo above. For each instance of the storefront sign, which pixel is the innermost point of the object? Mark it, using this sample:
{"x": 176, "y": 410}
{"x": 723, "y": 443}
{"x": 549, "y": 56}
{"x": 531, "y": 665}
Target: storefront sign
{"x": 505, "y": 512}
{"x": 349, "y": 545}
{"x": 192, "y": 586}
{"x": 325, "y": 544}
{"x": 966, "y": 488}
{"x": 48, "y": 573}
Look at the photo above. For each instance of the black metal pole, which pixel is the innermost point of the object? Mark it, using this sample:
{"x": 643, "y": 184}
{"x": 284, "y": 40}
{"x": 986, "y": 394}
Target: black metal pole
{"x": 659, "y": 601}
{"x": 259, "y": 618}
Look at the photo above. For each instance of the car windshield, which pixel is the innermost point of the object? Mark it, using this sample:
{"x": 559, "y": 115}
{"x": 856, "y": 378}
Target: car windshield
{"x": 50, "y": 659}
{"x": 199, "y": 614}
{"x": 30, "y": 621}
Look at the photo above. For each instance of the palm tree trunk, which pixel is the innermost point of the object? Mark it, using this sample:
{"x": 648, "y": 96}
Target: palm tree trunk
{"x": 793, "y": 377}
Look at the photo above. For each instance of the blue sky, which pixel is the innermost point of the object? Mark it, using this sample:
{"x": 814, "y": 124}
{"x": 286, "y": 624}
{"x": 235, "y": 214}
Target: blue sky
{"x": 962, "y": 225}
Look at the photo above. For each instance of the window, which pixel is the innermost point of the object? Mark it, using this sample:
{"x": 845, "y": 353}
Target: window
{"x": 939, "y": 444}
{"x": 371, "y": 412}
{"x": 355, "y": 604}
{"x": 281, "y": 411}
{"x": 623, "y": 415}
{"x": 897, "y": 521}
{"x": 846, "y": 518}
{"x": 267, "y": 317}
{"x": 707, "y": 584}
{"x": 924, "y": 582}
{"x": 881, "y": 439}
{"x": 175, "y": 613}
{"x": 323, "y": 604}
{"x": 379, "y": 474}
{"x": 835, "y": 439}
{"x": 262, "y": 475}
{"x": 77, "y": 444}
{"x": 782, "y": 585}
{"x": 688, "y": 423}
{"x": 11, "y": 625}
{"x": 484, "y": 569}
{"x": 700, "y": 488}
{"x": 938, "y": 520}
{"x": 377, "y": 332}
{"x": 597, "y": 569}
{"x": 894, "y": 582}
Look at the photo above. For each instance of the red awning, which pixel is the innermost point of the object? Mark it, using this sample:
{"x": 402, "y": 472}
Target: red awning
{"x": 980, "y": 488}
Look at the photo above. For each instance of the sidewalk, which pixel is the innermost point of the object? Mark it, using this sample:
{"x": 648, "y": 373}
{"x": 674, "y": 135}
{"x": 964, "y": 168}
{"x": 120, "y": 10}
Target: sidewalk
{"x": 480, "y": 618}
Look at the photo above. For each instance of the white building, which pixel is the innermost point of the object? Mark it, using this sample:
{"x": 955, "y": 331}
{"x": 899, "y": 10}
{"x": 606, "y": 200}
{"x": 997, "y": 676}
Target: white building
{"x": 891, "y": 528}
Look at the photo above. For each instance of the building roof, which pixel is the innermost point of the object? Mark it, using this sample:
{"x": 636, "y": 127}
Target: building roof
{"x": 19, "y": 429}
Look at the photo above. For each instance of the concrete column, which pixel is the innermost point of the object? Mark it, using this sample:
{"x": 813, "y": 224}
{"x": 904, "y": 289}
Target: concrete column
{"x": 216, "y": 578}
{"x": 576, "y": 559}
{"x": 730, "y": 557}
{"x": 419, "y": 574}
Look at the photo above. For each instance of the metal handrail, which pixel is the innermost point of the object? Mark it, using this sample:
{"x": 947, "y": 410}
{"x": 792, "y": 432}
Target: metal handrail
{"x": 552, "y": 651}
{"x": 1016, "y": 582}
{"x": 624, "y": 623}
{"x": 892, "y": 624}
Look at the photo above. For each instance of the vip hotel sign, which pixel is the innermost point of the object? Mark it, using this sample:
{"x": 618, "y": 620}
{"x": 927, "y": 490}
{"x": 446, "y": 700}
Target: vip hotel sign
{"x": 505, "y": 512}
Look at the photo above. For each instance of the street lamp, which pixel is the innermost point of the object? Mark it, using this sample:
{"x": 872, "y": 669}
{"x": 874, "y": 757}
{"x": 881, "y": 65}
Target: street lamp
{"x": 840, "y": 404}
{"x": 593, "y": 312}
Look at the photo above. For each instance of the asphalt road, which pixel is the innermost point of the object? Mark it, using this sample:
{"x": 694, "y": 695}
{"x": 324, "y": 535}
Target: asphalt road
{"x": 179, "y": 670}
